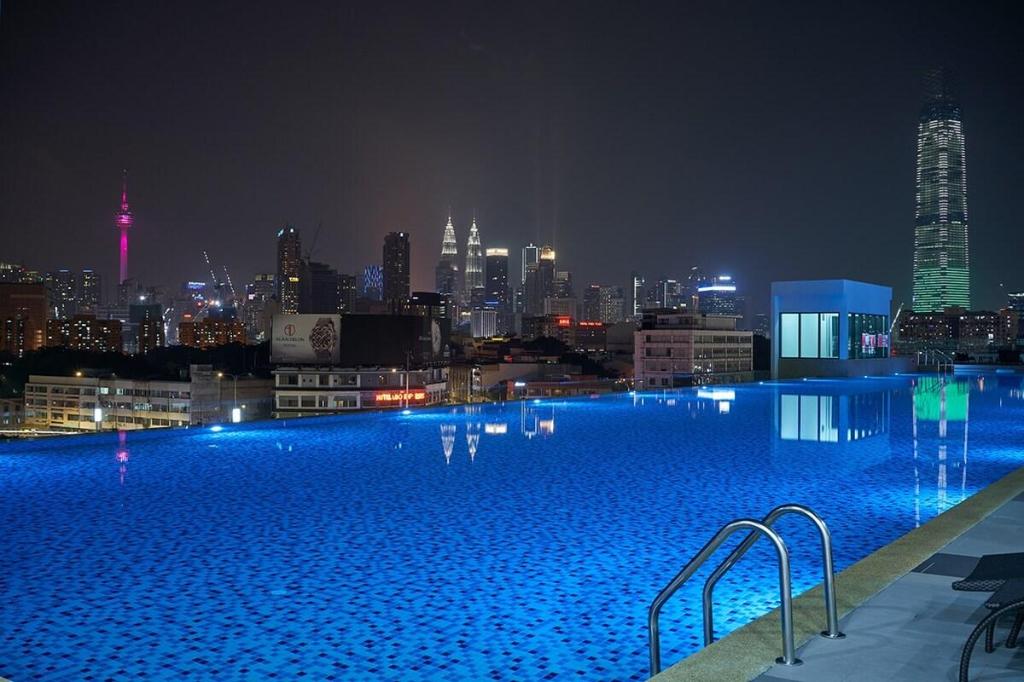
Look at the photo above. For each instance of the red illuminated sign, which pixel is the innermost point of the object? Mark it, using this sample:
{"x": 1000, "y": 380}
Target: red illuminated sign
{"x": 564, "y": 321}
{"x": 589, "y": 323}
{"x": 399, "y": 396}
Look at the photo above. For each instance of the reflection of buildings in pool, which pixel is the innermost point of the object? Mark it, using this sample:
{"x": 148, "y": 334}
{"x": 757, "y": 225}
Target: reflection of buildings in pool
{"x": 447, "y": 441}
{"x": 722, "y": 398}
{"x": 1009, "y": 383}
{"x": 940, "y": 407}
{"x": 535, "y": 420}
{"x": 832, "y": 418}
{"x": 123, "y": 454}
{"x": 474, "y": 429}
{"x": 472, "y": 439}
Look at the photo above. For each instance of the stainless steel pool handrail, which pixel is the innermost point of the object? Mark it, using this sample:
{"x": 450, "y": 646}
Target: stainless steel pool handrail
{"x": 831, "y": 614}
{"x": 937, "y": 357}
{"x": 785, "y": 591}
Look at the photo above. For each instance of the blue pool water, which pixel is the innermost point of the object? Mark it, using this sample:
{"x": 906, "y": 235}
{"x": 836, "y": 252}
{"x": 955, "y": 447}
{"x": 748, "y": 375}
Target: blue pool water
{"x": 510, "y": 542}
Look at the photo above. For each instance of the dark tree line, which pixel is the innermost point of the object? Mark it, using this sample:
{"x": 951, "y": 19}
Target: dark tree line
{"x": 169, "y": 363}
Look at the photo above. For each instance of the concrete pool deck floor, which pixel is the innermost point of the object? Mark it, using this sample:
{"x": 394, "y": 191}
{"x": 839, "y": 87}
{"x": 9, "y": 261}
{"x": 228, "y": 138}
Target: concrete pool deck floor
{"x": 902, "y": 619}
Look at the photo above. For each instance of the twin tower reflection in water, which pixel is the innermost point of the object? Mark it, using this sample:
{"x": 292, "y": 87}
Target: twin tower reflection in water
{"x": 535, "y": 419}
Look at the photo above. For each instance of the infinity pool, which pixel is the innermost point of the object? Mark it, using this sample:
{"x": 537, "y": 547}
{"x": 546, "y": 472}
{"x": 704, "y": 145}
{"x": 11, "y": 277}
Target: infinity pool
{"x": 521, "y": 541}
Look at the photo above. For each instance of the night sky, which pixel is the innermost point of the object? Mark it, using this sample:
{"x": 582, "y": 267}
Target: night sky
{"x": 769, "y": 140}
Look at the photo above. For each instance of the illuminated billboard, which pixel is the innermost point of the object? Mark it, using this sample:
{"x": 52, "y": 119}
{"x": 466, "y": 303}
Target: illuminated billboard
{"x": 305, "y": 339}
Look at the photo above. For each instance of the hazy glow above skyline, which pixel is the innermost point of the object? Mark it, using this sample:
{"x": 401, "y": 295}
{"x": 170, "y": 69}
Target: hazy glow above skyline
{"x": 788, "y": 155}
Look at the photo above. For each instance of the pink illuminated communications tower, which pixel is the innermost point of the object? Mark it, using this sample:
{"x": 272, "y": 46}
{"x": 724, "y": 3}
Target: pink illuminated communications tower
{"x": 124, "y": 221}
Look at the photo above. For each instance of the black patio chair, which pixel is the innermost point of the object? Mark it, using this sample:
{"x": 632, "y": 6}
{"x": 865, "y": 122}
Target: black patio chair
{"x": 1008, "y": 599}
{"x": 1002, "y": 574}
{"x": 991, "y": 571}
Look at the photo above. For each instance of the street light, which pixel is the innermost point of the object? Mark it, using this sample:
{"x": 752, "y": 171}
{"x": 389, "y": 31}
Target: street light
{"x": 236, "y": 412}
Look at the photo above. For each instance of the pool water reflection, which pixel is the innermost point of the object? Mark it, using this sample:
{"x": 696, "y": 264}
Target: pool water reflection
{"x": 515, "y": 541}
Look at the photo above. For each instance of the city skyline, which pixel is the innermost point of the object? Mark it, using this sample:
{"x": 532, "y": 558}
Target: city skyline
{"x": 425, "y": 303}
{"x": 678, "y": 180}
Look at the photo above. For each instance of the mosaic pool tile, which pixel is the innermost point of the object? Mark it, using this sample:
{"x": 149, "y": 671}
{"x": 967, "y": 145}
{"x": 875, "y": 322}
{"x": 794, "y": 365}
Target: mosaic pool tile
{"x": 512, "y": 542}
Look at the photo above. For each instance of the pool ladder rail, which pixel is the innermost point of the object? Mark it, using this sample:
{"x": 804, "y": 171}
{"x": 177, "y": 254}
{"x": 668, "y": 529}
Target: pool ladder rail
{"x": 757, "y": 529}
{"x": 933, "y": 357}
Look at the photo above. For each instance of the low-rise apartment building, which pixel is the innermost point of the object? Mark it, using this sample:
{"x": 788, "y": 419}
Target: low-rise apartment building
{"x": 956, "y": 330}
{"x": 210, "y": 332}
{"x": 674, "y": 349}
{"x": 97, "y": 403}
{"x": 308, "y": 390}
{"x": 85, "y": 332}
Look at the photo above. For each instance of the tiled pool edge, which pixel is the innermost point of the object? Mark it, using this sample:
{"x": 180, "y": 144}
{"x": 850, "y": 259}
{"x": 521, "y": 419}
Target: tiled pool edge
{"x": 750, "y": 650}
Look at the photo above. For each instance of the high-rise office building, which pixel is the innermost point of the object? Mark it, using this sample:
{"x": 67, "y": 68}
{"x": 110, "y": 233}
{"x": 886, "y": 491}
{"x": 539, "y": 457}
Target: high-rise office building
{"x": 638, "y": 286}
{"x": 446, "y": 274}
{"x": 718, "y": 296}
{"x": 124, "y": 221}
{"x": 289, "y": 269}
{"x": 259, "y": 306}
{"x": 474, "y": 266}
{"x": 146, "y": 325}
{"x": 396, "y": 270}
{"x": 612, "y": 305}
{"x": 531, "y": 256}
{"x": 89, "y": 292}
{"x": 497, "y": 292}
{"x": 762, "y": 325}
{"x": 592, "y": 302}
{"x": 23, "y": 316}
{"x": 483, "y": 323}
{"x": 942, "y": 276}
{"x": 431, "y": 305}
{"x": 150, "y": 335}
{"x": 497, "y": 295}
{"x": 563, "y": 284}
{"x": 371, "y": 286}
{"x": 697, "y": 279}
{"x": 346, "y": 294}
{"x": 540, "y": 281}
{"x": 62, "y": 290}
{"x": 320, "y": 290}
{"x": 671, "y": 294}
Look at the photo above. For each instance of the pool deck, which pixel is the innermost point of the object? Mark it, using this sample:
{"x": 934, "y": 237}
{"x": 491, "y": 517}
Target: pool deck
{"x": 902, "y": 619}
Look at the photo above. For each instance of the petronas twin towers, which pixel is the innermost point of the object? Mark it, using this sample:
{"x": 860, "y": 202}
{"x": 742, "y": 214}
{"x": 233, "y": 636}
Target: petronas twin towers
{"x": 447, "y": 270}
{"x": 942, "y": 276}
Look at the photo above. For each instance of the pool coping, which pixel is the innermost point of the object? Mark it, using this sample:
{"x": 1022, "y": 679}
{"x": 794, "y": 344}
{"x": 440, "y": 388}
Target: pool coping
{"x": 751, "y": 650}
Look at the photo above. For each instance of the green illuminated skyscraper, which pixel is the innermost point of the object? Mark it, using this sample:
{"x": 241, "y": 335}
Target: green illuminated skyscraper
{"x": 942, "y": 276}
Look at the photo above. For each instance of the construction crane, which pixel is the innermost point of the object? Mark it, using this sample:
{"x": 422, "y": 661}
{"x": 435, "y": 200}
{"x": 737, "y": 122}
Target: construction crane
{"x": 309, "y": 252}
{"x": 213, "y": 275}
{"x": 895, "y": 319}
{"x": 231, "y": 287}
